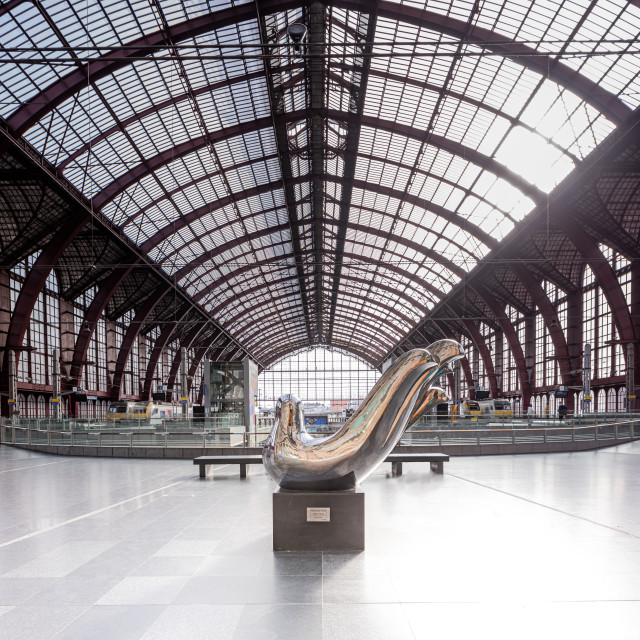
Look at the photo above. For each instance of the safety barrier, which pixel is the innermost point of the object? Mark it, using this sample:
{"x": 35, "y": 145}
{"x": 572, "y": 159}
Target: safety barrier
{"x": 602, "y": 430}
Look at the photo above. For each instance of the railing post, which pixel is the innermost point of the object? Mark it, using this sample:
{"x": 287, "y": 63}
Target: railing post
{"x": 478, "y": 436}
{"x": 596, "y": 433}
{"x": 544, "y": 435}
{"x": 615, "y": 431}
{"x": 513, "y": 436}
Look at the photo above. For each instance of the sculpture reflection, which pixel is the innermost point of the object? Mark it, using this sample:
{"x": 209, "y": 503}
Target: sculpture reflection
{"x": 297, "y": 460}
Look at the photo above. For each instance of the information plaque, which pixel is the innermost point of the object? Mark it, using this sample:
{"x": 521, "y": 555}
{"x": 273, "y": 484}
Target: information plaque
{"x": 318, "y": 514}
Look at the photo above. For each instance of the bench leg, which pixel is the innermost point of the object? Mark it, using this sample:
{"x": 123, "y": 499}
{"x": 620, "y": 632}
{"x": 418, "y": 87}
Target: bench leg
{"x": 243, "y": 470}
{"x": 396, "y": 468}
{"x": 203, "y": 470}
{"x": 437, "y": 467}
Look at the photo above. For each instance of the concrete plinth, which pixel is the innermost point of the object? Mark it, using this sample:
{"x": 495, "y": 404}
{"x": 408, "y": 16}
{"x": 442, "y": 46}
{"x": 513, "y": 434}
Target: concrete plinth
{"x": 318, "y": 520}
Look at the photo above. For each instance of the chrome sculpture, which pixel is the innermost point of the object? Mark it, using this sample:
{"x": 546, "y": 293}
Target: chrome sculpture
{"x": 297, "y": 460}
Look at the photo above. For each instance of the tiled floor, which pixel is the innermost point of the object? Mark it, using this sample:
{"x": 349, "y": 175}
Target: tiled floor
{"x": 510, "y": 547}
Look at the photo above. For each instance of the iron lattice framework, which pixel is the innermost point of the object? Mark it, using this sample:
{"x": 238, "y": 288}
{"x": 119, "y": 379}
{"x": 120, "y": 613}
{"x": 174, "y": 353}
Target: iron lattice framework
{"x": 410, "y": 168}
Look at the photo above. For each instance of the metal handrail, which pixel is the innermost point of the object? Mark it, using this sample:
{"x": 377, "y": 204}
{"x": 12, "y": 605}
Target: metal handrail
{"x": 139, "y": 436}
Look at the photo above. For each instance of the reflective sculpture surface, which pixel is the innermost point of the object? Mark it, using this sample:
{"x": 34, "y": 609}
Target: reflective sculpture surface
{"x": 297, "y": 460}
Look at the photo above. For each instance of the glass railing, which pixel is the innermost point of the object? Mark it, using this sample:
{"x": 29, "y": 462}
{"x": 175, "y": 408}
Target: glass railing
{"x": 211, "y": 432}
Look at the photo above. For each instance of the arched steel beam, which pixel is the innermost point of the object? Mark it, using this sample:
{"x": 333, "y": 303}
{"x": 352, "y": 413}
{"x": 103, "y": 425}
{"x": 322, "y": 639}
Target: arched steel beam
{"x": 457, "y": 149}
{"x": 541, "y": 300}
{"x": 282, "y": 334}
{"x": 35, "y": 283}
{"x": 478, "y": 338}
{"x": 423, "y": 203}
{"x": 184, "y": 271}
{"x": 513, "y": 121}
{"x": 401, "y": 282}
{"x": 419, "y": 283}
{"x": 511, "y": 335}
{"x": 10, "y": 5}
{"x": 589, "y": 91}
{"x": 263, "y": 330}
{"x": 256, "y": 317}
{"x": 130, "y": 335}
{"x": 378, "y": 285}
{"x": 176, "y": 99}
{"x": 41, "y": 103}
{"x": 92, "y": 316}
{"x": 604, "y": 275}
{"x": 55, "y": 94}
{"x": 186, "y": 343}
{"x": 161, "y": 342}
{"x": 271, "y": 357}
{"x": 149, "y": 165}
{"x": 417, "y": 247}
{"x": 195, "y": 361}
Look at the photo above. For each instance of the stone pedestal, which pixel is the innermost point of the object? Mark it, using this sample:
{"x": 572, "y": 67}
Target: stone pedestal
{"x": 318, "y": 520}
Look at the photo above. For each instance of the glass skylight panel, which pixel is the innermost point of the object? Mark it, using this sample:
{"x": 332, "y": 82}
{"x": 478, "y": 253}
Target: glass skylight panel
{"x": 543, "y": 165}
{"x": 25, "y": 26}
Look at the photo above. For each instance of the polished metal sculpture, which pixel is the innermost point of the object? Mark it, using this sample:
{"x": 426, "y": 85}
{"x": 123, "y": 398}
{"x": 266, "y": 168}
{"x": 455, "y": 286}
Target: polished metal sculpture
{"x": 297, "y": 460}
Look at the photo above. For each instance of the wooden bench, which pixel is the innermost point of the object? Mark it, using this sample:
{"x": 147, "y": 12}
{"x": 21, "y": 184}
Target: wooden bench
{"x": 437, "y": 461}
{"x": 243, "y": 461}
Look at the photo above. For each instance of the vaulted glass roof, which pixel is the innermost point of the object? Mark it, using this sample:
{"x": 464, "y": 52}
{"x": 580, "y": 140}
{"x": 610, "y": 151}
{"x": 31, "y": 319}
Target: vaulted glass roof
{"x": 327, "y": 194}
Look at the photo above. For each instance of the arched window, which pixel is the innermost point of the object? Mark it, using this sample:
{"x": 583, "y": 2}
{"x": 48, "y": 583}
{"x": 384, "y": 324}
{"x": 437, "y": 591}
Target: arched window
{"x": 22, "y": 404}
{"x": 42, "y": 407}
{"x": 612, "y": 400}
{"x": 318, "y": 375}
{"x": 601, "y": 404}
{"x": 622, "y": 399}
{"x": 43, "y": 331}
{"x": 510, "y": 379}
{"x": 32, "y": 406}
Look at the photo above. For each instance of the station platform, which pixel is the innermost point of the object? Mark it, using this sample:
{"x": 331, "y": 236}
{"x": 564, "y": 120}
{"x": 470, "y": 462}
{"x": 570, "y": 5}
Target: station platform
{"x": 524, "y": 546}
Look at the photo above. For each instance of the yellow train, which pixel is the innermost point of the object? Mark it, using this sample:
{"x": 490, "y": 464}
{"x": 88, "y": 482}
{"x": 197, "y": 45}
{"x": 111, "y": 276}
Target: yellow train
{"x": 141, "y": 410}
{"x": 489, "y": 407}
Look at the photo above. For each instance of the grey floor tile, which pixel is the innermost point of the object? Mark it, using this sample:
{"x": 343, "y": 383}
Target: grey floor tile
{"x": 342, "y": 589}
{"x": 188, "y": 548}
{"x": 135, "y": 590}
{"x": 281, "y": 589}
{"x": 111, "y": 622}
{"x": 168, "y": 566}
{"x": 280, "y": 621}
{"x": 365, "y": 622}
{"x": 74, "y": 590}
{"x": 37, "y": 622}
{"x": 231, "y": 565}
{"x": 216, "y": 590}
{"x": 292, "y": 563}
{"x": 16, "y": 590}
{"x": 196, "y": 622}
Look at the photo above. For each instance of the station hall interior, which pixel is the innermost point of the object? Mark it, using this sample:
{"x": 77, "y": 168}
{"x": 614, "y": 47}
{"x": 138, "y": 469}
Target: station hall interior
{"x": 206, "y": 205}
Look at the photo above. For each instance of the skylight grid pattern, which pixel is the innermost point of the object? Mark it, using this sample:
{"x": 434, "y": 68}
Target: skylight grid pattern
{"x": 25, "y": 26}
{"x": 207, "y": 191}
{"x": 374, "y": 312}
{"x": 372, "y": 291}
{"x": 180, "y": 10}
{"x": 427, "y": 69}
{"x": 101, "y": 23}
